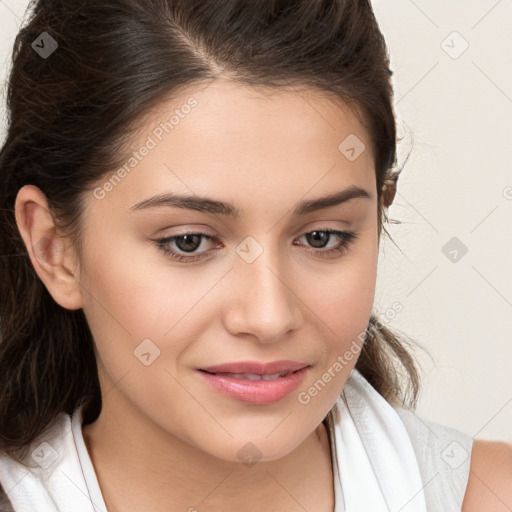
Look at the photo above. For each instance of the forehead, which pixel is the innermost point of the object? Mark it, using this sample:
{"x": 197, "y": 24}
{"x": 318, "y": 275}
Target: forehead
{"x": 229, "y": 140}
{"x": 224, "y": 109}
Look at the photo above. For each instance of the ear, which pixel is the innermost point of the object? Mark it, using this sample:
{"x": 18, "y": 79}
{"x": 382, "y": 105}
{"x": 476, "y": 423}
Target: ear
{"x": 389, "y": 192}
{"x": 50, "y": 253}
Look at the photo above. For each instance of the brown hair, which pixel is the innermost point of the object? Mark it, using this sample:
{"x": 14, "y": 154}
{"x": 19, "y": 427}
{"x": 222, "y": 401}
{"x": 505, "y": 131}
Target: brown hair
{"x": 70, "y": 113}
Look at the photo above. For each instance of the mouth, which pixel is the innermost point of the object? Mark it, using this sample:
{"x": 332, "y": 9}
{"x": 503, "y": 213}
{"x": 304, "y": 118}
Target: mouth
{"x": 255, "y": 388}
{"x": 256, "y": 369}
{"x": 253, "y": 376}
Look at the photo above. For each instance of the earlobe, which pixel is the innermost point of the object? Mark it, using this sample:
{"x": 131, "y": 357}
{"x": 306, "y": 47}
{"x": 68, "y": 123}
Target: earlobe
{"x": 388, "y": 192}
{"x": 45, "y": 247}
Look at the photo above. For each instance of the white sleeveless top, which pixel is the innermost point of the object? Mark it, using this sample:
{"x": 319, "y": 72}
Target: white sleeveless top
{"x": 63, "y": 471}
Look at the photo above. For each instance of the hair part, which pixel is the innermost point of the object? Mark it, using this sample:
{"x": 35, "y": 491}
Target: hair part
{"x": 115, "y": 61}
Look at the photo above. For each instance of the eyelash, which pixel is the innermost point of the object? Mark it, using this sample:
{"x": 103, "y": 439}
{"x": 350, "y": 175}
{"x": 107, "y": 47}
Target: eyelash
{"x": 346, "y": 237}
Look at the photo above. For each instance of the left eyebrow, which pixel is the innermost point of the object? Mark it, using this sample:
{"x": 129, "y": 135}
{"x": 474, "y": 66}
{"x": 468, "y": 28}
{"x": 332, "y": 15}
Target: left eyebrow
{"x": 207, "y": 205}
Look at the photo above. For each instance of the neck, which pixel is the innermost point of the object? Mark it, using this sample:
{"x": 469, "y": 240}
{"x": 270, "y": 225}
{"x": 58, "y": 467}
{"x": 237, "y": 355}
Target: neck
{"x": 142, "y": 467}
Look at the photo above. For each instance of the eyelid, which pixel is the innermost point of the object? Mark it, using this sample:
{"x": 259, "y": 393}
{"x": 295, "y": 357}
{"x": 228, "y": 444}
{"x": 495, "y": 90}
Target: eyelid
{"x": 315, "y": 225}
{"x": 188, "y": 230}
{"x": 322, "y": 225}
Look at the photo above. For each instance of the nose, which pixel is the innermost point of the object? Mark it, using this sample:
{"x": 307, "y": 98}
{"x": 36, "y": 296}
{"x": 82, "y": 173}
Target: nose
{"x": 265, "y": 302}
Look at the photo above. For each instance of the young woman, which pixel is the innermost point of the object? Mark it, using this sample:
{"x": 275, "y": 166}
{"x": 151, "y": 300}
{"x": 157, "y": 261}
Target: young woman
{"x": 192, "y": 199}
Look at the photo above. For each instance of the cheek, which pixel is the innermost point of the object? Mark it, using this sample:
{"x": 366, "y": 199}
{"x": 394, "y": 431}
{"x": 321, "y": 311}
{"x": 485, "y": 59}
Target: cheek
{"x": 134, "y": 296}
{"x": 343, "y": 298}
{"x": 343, "y": 305}
{"x": 129, "y": 300}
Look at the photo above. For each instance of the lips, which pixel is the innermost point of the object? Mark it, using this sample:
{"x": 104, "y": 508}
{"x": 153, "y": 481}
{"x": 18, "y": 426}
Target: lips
{"x": 256, "y": 369}
{"x": 255, "y": 383}
{"x": 253, "y": 376}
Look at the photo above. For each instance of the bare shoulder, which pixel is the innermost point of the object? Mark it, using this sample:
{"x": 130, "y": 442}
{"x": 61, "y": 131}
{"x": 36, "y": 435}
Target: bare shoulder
{"x": 490, "y": 478}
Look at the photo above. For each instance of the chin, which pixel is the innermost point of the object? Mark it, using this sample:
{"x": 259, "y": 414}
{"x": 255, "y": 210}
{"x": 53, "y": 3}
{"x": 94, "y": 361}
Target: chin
{"x": 254, "y": 449}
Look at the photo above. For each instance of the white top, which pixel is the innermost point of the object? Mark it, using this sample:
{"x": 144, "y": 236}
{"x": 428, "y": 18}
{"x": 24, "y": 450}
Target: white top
{"x": 384, "y": 459}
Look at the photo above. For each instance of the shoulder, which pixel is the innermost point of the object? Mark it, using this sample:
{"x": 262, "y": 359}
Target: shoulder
{"x": 443, "y": 454}
{"x": 490, "y": 478}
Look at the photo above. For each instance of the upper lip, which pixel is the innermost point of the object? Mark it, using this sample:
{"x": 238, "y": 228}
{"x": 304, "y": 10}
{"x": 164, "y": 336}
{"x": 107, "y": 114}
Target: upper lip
{"x": 256, "y": 368}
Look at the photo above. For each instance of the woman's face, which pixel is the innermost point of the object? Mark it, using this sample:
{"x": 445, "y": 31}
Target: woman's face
{"x": 263, "y": 288}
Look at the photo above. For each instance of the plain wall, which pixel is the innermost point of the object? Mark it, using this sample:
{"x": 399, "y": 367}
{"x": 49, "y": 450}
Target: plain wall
{"x": 454, "y": 108}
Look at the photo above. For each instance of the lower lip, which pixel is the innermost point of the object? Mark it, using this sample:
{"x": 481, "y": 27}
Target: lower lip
{"x": 256, "y": 392}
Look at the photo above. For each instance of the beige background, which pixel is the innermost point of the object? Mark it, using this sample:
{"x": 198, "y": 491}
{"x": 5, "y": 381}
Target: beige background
{"x": 453, "y": 96}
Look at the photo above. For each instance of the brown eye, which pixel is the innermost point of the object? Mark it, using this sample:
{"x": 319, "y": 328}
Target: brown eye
{"x": 178, "y": 246}
{"x": 186, "y": 243}
{"x": 319, "y": 238}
